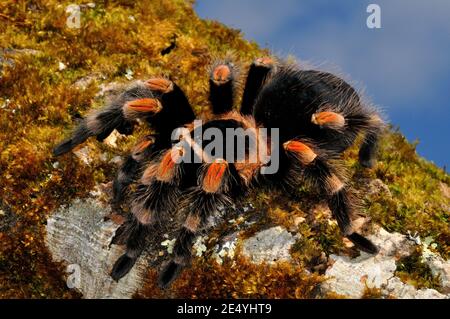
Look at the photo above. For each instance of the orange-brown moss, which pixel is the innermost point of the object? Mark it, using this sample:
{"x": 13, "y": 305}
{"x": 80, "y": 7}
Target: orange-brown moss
{"x": 371, "y": 293}
{"x": 237, "y": 278}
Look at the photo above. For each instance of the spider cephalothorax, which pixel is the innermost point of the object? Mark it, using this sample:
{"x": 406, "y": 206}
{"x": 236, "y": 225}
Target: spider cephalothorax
{"x": 316, "y": 116}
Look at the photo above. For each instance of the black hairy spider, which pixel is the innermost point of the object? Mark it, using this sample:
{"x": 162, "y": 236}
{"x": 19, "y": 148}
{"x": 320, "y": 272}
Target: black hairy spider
{"x": 318, "y": 116}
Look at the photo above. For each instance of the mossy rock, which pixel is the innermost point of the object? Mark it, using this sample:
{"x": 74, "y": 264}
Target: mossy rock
{"x": 41, "y": 98}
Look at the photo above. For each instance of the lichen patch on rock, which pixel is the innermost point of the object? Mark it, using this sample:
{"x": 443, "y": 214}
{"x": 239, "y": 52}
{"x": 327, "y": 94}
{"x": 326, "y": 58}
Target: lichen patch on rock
{"x": 270, "y": 245}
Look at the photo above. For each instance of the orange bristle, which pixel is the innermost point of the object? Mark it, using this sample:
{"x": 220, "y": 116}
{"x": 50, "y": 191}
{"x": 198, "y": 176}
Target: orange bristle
{"x": 140, "y": 147}
{"x": 328, "y": 119}
{"x": 160, "y": 85}
{"x": 145, "y": 105}
{"x": 221, "y": 73}
{"x": 144, "y": 216}
{"x": 264, "y": 60}
{"x": 214, "y": 176}
{"x": 166, "y": 168}
{"x": 301, "y": 150}
{"x": 192, "y": 222}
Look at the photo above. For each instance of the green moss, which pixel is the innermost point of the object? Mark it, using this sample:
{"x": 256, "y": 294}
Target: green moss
{"x": 40, "y": 104}
{"x": 417, "y": 203}
{"x": 411, "y": 270}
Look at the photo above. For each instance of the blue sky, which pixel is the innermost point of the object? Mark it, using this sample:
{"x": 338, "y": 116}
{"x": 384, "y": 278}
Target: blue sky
{"x": 404, "y": 67}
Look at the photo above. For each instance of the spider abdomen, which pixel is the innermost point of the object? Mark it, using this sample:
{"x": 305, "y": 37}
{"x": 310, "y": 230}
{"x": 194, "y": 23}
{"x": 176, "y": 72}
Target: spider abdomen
{"x": 291, "y": 98}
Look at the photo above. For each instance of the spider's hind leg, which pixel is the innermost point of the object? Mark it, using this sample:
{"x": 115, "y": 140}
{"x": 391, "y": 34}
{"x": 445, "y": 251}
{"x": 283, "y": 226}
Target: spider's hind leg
{"x": 368, "y": 151}
{"x": 347, "y": 124}
{"x": 316, "y": 168}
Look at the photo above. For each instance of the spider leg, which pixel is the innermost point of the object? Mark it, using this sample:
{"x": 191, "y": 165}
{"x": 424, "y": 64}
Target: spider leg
{"x": 158, "y": 101}
{"x": 156, "y": 194}
{"x": 175, "y": 113}
{"x": 201, "y": 203}
{"x": 327, "y": 119}
{"x": 130, "y": 168}
{"x": 221, "y": 86}
{"x": 257, "y": 74}
{"x": 369, "y": 147}
{"x": 307, "y": 163}
{"x": 352, "y": 120}
{"x": 176, "y": 110}
{"x": 136, "y": 234}
{"x": 118, "y": 114}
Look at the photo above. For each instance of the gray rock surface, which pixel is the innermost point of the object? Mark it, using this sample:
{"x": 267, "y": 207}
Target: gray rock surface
{"x": 351, "y": 277}
{"x": 270, "y": 245}
{"x": 396, "y": 288}
{"x": 391, "y": 244}
{"x": 79, "y": 236}
{"x": 439, "y": 267}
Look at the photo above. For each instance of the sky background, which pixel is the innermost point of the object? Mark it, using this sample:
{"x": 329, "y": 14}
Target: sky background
{"x": 404, "y": 67}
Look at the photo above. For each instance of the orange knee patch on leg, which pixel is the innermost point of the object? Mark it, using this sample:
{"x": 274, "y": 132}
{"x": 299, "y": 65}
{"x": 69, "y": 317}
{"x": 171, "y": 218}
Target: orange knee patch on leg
{"x": 167, "y": 167}
{"x": 264, "y": 61}
{"x": 133, "y": 109}
{"x": 160, "y": 84}
{"x": 303, "y": 152}
{"x": 141, "y": 146}
{"x": 221, "y": 74}
{"x": 214, "y": 176}
{"x": 328, "y": 119}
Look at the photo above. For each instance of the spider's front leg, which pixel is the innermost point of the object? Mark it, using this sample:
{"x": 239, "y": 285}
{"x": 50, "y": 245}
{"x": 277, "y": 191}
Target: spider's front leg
{"x": 257, "y": 74}
{"x": 159, "y": 102}
{"x": 166, "y": 110}
{"x": 116, "y": 115}
{"x": 211, "y": 193}
{"x": 176, "y": 112}
{"x": 306, "y": 162}
{"x": 135, "y": 233}
{"x": 222, "y": 86}
{"x": 156, "y": 196}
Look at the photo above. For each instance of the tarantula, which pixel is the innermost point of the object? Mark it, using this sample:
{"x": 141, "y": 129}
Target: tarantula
{"x": 318, "y": 116}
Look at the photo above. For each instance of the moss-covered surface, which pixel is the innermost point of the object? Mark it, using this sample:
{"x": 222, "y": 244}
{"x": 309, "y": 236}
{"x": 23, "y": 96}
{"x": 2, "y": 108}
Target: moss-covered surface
{"x": 39, "y": 104}
{"x": 412, "y": 270}
{"x": 237, "y": 278}
{"x": 419, "y": 202}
